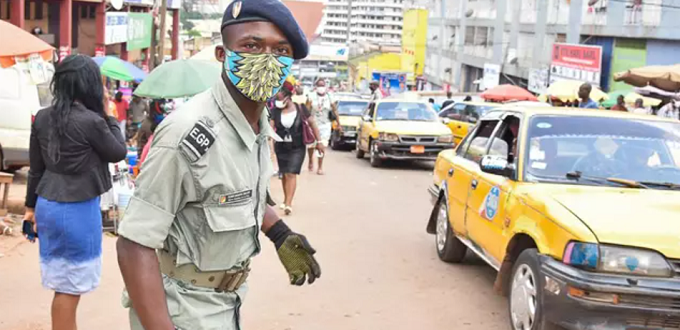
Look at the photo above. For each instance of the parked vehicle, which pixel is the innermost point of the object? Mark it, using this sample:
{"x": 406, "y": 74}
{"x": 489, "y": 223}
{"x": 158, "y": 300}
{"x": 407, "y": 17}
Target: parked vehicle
{"x": 20, "y": 101}
{"x": 576, "y": 210}
{"x": 401, "y": 130}
{"x": 350, "y": 112}
{"x": 460, "y": 116}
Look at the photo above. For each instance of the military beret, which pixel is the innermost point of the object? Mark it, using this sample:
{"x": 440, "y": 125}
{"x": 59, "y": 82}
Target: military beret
{"x": 274, "y": 11}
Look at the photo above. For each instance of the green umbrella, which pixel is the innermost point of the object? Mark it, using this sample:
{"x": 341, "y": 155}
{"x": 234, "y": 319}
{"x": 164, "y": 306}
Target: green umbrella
{"x": 179, "y": 78}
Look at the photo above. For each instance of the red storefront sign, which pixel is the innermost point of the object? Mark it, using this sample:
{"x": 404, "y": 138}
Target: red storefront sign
{"x": 99, "y": 51}
{"x": 576, "y": 62}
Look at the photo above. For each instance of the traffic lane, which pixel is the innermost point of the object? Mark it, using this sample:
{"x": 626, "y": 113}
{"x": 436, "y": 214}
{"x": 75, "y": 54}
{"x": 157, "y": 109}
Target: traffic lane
{"x": 380, "y": 268}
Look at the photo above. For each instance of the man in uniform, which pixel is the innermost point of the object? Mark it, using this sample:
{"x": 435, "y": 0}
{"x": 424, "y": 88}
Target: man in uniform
{"x": 192, "y": 226}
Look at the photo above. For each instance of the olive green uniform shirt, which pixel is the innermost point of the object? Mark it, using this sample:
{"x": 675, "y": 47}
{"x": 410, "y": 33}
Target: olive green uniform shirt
{"x": 201, "y": 197}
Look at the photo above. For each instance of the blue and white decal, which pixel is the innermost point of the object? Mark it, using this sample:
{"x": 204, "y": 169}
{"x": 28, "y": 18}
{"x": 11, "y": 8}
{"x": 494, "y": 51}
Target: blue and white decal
{"x": 489, "y": 208}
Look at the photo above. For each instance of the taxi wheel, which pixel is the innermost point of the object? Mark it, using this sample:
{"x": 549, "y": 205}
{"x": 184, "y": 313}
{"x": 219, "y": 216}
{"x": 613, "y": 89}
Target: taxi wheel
{"x": 449, "y": 248}
{"x": 373, "y": 155}
{"x": 358, "y": 152}
{"x": 526, "y": 294}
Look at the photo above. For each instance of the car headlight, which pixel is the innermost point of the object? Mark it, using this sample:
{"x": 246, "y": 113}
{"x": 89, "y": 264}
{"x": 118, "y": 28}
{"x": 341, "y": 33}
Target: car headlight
{"x": 447, "y": 138}
{"x": 388, "y": 137}
{"x": 615, "y": 259}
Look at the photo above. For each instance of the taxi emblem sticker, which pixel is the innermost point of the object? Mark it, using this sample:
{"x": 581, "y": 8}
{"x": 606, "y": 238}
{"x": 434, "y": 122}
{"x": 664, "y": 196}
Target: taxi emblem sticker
{"x": 489, "y": 208}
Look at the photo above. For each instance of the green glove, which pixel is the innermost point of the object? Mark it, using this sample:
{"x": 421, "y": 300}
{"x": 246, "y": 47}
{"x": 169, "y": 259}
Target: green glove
{"x": 296, "y": 255}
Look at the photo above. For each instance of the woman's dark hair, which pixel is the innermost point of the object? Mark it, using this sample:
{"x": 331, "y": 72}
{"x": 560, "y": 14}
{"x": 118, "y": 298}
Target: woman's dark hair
{"x": 76, "y": 79}
{"x": 119, "y": 96}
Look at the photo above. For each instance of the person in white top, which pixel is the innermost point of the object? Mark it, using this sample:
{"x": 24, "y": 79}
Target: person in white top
{"x": 670, "y": 110}
{"x": 376, "y": 94}
{"x": 323, "y": 107}
{"x": 639, "y": 108}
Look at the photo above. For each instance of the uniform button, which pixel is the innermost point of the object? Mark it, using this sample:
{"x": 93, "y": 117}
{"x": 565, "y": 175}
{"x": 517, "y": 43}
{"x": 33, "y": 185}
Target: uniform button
{"x": 212, "y": 278}
{"x": 193, "y": 282}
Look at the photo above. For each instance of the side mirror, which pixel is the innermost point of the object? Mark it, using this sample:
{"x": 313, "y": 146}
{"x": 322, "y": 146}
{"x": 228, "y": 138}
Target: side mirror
{"x": 497, "y": 165}
{"x": 366, "y": 118}
{"x": 472, "y": 119}
{"x": 445, "y": 120}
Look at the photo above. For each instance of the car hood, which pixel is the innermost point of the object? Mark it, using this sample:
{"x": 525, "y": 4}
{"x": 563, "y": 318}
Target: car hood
{"x": 412, "y": 127}
{"x": 349, "y": 120}
{"x": 635, "y": 217}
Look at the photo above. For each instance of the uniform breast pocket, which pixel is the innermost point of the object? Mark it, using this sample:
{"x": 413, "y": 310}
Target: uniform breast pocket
{"x": 230, "y": 218}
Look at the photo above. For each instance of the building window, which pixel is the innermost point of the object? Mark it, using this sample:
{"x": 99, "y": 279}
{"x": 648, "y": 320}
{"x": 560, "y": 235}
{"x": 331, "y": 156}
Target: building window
{"x": 469, "y": 35}
{"x": 481, "y": 36}
{"x": 27, "y": 10}
{"x": 489, "y": 39}
{"x": 39, "y": 7}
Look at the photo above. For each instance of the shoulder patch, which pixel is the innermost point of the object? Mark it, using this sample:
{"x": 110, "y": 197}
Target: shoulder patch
{"x": 198, "y": 141}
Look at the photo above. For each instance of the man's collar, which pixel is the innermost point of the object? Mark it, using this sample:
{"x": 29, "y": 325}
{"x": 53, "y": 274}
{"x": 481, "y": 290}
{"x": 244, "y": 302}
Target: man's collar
{"x": 235, "y": 116}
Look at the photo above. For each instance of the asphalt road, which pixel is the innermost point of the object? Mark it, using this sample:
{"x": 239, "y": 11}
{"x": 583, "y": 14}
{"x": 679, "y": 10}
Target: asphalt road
{"x": 380, "y": 268}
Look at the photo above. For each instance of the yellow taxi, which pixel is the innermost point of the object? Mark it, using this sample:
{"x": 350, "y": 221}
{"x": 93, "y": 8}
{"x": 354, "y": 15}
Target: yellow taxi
{"x": 577, "y": 210}
{"x": 401, "y": 130}
{"x": 460, "y": 116}
{"x": 349, "y": 111}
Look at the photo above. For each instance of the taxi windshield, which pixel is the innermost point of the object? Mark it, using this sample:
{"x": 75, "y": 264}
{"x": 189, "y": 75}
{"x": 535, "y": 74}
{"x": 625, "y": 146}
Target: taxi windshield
{"x": 595, "y": 150}
{"x": 406, "y": 111}
{"x": 352, "y": 108}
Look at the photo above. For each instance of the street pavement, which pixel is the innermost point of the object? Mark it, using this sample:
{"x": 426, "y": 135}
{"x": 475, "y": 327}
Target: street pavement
{"x": 380, "y": 268}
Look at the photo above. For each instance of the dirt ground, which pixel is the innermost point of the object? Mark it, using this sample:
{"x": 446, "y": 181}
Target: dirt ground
{"x": 380, "y": 269}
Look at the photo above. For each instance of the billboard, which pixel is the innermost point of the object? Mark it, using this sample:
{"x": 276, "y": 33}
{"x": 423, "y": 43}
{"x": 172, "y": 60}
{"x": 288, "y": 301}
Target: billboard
{"x": 139, "y": 31}
{"x": 492, "y": 75}
{"x": 391, "y": 83}
{"x": 116, "y": 30}
{"x": 576, "y": 62}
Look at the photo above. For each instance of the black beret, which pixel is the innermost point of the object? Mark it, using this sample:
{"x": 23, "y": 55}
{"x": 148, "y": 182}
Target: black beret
{"x": 274, "y": 11}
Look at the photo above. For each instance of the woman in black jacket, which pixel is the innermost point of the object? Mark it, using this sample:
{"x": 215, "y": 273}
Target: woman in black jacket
{"x": 287, "y": 119}
{"x": 72, "y": 143}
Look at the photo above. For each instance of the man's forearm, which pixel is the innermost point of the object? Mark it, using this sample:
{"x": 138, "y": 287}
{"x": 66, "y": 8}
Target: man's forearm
{"x": 141, "y": 274}
{"x": 270, "y": 218}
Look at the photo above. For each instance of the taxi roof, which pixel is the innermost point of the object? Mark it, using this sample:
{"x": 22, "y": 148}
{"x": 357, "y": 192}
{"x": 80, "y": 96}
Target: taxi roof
{"x": 563, "y": 111}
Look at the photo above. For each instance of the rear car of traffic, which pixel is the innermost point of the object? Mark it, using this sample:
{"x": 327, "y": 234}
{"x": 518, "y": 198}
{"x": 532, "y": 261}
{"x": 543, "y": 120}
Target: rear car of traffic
{"x": 401, "y": 130}
{"x": 577, "y": 210}
{"x": 349, "y": 112}
{"x": 461, "y": 116}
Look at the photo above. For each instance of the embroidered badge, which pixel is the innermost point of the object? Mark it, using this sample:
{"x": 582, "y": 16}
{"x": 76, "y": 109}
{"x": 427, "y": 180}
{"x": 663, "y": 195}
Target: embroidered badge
{"x": 236, "y": 10}
{"x": 199, "y": 140}
{"x": 237, "y": 197}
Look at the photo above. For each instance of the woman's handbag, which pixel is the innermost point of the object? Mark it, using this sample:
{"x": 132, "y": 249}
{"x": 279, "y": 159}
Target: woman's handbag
{"x": 307, "y": 132}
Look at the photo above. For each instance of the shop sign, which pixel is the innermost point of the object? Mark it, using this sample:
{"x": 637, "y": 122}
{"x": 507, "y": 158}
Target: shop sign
{"x": 139, "y": 31}
{"x": 116, "y": 28}
{"x": 576, "y": 62}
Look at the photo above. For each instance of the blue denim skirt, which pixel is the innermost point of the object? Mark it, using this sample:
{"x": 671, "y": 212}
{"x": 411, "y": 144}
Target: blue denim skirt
{"x": 70, "y": 238}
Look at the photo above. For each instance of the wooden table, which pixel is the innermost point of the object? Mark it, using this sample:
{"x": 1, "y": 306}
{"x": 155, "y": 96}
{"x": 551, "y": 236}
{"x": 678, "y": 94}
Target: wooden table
{"x": 5, "y": 179}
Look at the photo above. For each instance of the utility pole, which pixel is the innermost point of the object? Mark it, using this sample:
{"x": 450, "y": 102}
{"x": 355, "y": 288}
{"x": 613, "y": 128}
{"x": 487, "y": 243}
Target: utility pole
{"x": 349, "y": 45}
{"x": 161, "y": 42}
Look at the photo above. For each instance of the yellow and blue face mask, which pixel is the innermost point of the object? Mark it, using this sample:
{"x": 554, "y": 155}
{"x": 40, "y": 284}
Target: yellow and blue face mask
{"x": 257, "y": 76}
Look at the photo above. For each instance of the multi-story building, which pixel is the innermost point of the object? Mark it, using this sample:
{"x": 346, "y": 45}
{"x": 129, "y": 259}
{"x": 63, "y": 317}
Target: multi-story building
{"x": 518, "y": 35}
{"x": 376, "y": 21}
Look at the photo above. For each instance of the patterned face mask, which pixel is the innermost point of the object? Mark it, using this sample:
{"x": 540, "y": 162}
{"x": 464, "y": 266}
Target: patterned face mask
{"x": 257, "y": 76}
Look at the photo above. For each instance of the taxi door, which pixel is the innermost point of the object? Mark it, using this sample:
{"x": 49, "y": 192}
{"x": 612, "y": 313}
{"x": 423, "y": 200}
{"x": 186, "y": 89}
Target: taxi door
{"x": 486, "y": 216}
{"x": 366, "y": 127}
{"x": 459, "y": 128}
{"x": 460, "y": 175}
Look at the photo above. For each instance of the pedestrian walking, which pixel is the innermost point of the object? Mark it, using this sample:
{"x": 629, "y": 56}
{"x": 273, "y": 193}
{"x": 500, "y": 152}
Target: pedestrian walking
{"x": 122, "y": 111}
{"x": 434, "y": 105}
{"x": 144, "y": 136}
{"x": 323, "y": 107}
{"x": 72, "y": 143}
{"x": 192, "y": 226}
{"x": 139, "y": 108}
{"x": 288, "y": 120}
{"x": 620, "y": 104}
{"x": 449, "y": 100}
{"x": 585, "y": 102}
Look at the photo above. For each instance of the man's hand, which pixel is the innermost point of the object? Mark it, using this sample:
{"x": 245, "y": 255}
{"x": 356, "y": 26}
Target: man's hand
{"x": 296, "y": 254}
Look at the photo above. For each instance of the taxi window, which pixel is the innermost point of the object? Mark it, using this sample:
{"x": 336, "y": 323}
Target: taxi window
{"x": 477, "y": 148}
{"x": 504, "y": 143}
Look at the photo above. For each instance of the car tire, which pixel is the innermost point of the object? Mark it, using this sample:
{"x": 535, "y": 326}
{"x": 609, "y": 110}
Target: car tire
{"x": 334, "y": 140}
{"x": 526, "y": 293}
{"x": 359, "y": 153}
{"x": 449, "y": 248}
{"x": 373, "y": 154}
